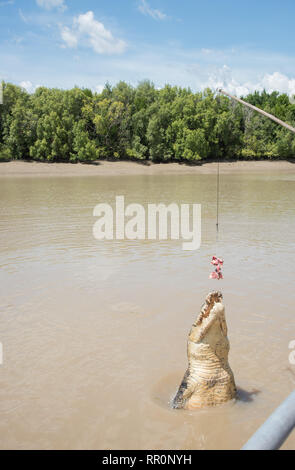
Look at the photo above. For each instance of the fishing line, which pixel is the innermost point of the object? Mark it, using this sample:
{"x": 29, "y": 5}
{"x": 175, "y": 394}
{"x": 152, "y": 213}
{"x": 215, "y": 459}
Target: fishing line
{"x": 218, "y": 262}
{"x": 217, "y": 200}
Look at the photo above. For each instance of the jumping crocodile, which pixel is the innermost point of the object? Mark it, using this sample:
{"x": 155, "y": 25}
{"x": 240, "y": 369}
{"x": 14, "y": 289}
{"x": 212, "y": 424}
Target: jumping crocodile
{"x": 209, "y": 380}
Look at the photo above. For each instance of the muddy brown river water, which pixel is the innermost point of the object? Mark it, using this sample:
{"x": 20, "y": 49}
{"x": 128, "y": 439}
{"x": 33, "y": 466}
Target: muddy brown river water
{"x": 94, "y": 332}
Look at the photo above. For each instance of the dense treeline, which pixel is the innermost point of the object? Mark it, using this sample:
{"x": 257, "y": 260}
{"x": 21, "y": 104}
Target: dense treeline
{"x": 143, "y": 123}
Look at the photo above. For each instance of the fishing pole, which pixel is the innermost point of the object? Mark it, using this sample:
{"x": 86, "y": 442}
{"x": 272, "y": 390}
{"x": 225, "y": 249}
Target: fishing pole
{"x": 261, "y": 111}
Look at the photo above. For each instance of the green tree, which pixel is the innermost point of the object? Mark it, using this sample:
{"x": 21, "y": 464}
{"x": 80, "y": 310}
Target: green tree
{"x": 84, "y": 149}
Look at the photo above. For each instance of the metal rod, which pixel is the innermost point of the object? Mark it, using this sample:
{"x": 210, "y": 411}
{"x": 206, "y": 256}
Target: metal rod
{"x": 272, "y": 434}
{"x": 264, "y": 113}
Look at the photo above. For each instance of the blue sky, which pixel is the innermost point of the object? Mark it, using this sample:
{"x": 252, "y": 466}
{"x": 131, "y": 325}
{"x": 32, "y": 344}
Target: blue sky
{"x": 241, "y": 46}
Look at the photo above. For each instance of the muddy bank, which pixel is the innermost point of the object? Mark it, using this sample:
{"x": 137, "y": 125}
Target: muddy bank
{"x": 22, "y": 168}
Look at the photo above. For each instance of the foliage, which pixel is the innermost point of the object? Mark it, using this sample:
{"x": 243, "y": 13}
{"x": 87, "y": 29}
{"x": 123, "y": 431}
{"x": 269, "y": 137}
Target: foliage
{"x": 141, "y": 123}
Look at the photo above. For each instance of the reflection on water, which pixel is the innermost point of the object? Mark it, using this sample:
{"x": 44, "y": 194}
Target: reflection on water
{"x": 94, "y": 332}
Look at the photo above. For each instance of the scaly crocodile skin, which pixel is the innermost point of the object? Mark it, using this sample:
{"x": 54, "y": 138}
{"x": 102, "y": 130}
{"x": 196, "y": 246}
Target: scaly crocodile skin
{"x": 209, "y": 380}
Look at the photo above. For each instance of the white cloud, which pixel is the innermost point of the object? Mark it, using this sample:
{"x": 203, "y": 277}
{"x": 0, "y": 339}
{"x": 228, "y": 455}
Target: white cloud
{"x": 94, "y": 34}
{"x": 99, "y": 88}
{"x": 69, "y": 37}
{"x": 223, "y": 78}
{"x": 145, "y": 8}
{"x": 207, "y": 51}
{"x": 278, "y": 81}
{"x": 275, "y": 81}
{"x": 22, "y": 16}
{"x": 49, "y": 4}
{"x": 28, "y": 86}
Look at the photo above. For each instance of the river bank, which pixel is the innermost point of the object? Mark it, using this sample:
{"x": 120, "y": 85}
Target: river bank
{"x": 106, "y": 168}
